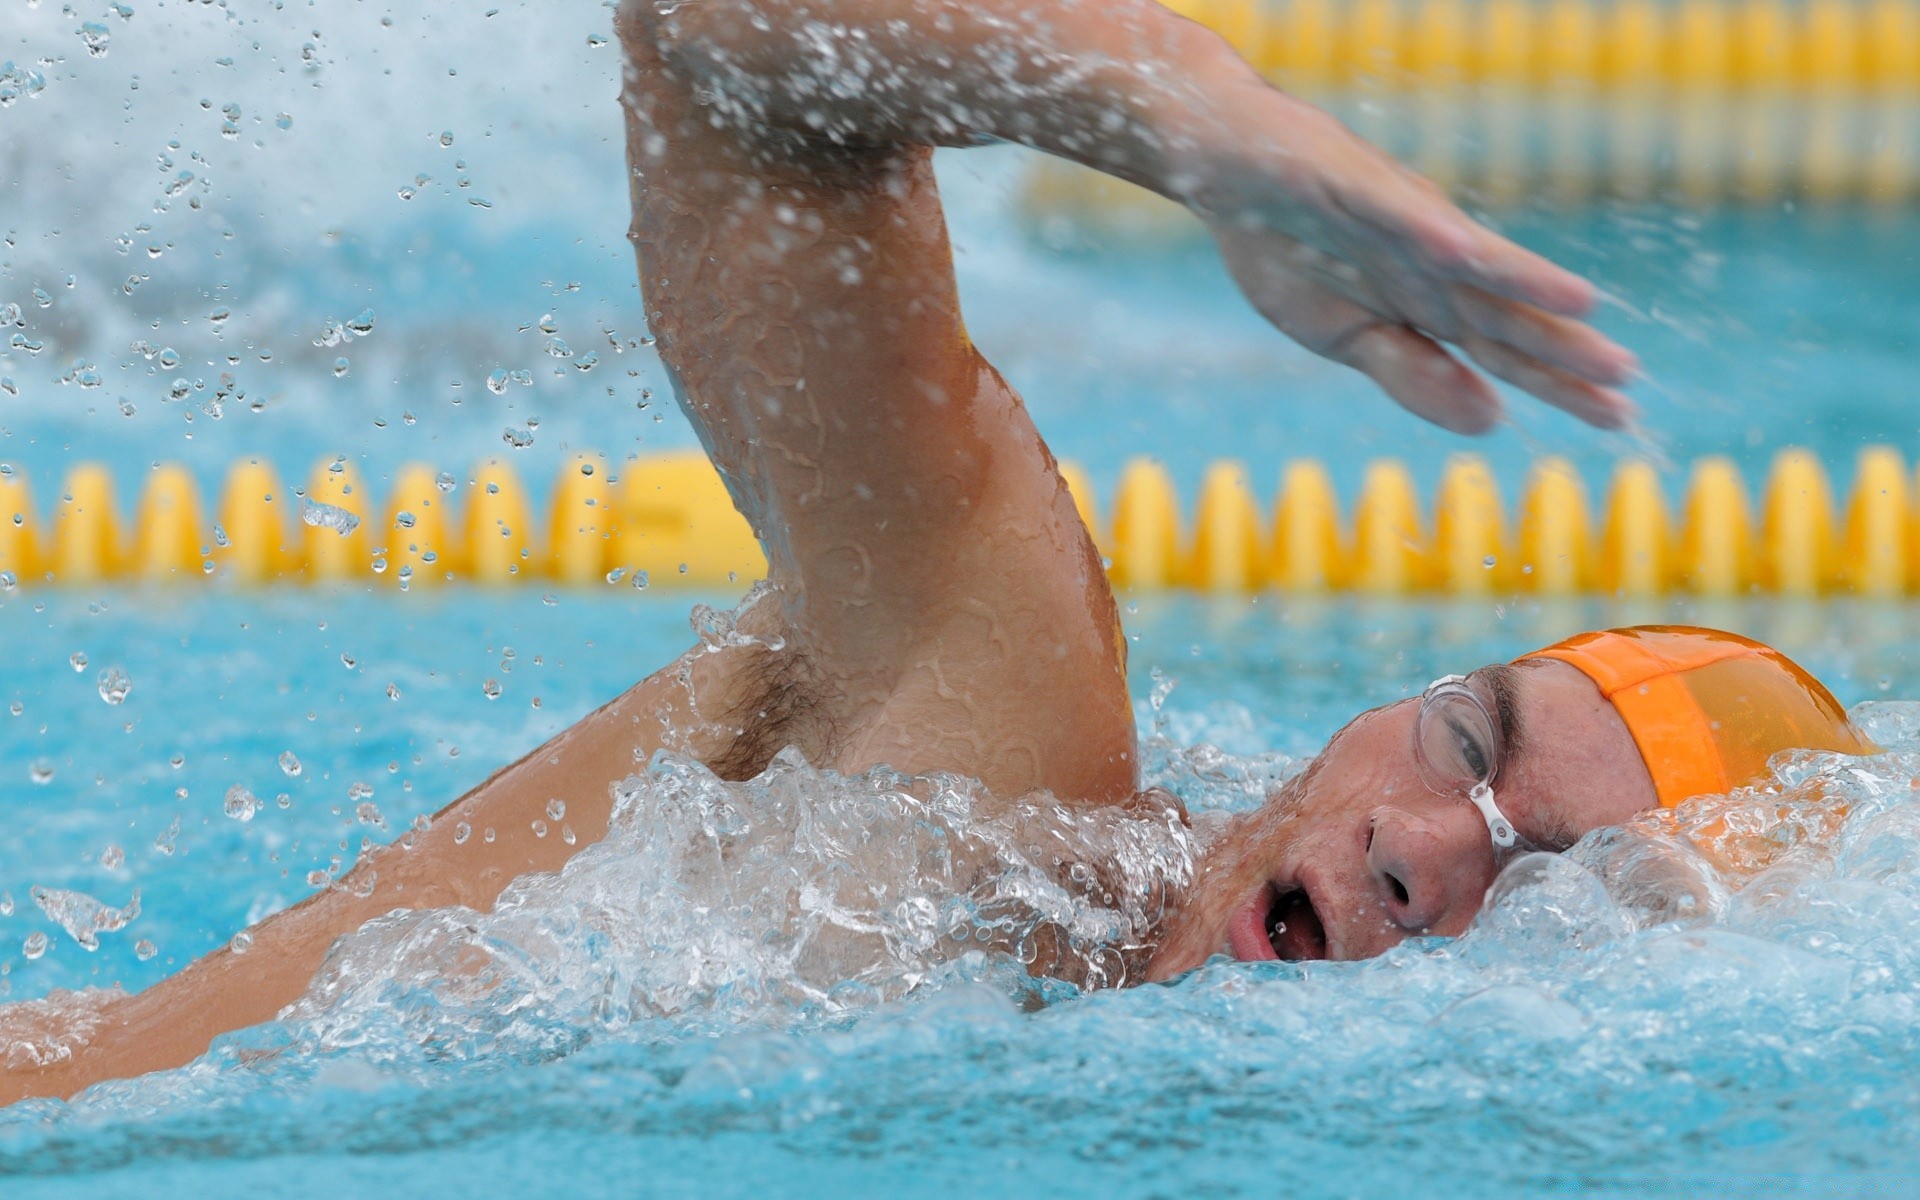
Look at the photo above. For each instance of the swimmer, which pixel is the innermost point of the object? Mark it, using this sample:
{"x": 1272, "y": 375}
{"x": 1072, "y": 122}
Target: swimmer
{"x": 933, "y": 601}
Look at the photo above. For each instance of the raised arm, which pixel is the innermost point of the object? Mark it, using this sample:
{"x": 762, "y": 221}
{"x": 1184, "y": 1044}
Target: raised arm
{"x": 1351, "y": 254}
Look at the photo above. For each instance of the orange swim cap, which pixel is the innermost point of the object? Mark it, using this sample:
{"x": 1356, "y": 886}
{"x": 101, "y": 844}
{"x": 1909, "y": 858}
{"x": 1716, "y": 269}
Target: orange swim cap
{"x": 1707, "y": 709}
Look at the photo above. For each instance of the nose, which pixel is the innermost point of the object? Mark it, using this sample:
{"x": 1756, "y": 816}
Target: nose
{"x": 1431, "y": 870}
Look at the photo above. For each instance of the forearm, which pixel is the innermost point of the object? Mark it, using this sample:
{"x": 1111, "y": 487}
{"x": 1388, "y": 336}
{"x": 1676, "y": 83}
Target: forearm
{"x": 1124, "y": 86}
{"x": 530, "y": 816}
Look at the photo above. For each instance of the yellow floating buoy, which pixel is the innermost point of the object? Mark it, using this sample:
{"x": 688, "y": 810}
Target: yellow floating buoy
{"x": 499, "y": 530}
{"x": 1875, "y": 560}
{"x": 1146, "y": 526}
{"x": 417, "y": 529}
{"x": 1797, "y": 542}
{"x": 1716, "y": 551}
{"x": 1635, "y": 545}
{"x": 672, "y": 517}
{"x": 1387, "y": 540}
{"x": 334, "y": 513}
{"x": 1226, "y": 532}
{"x": 1306, "y": 530}
{"x": 1468, "y": 533}
{"x": 1556, "y": 541}
{"x": 86, "y": 531}
{"x": 253, "y": 545}
{"x": 20, "y": 551}
{"x": 580, "y": 531}
{"x": 674, "y": 520}
{"x": 170, "y": 536}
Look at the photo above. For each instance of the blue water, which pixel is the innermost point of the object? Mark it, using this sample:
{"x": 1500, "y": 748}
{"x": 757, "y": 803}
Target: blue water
{"x": 1567, "y": 1039}
{"x": 1572, "y": 1040}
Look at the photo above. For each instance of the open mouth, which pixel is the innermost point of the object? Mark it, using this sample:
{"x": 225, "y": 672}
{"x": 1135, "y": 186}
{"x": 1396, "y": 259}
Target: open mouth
{"x": 1278, "y": 925}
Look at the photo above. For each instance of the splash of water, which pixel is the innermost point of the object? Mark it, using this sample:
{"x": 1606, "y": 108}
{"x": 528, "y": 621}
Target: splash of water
{"x": 799, "y": 895}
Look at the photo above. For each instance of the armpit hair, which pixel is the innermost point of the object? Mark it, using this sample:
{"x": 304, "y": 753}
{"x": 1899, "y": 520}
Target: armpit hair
{"x": 782, "y": 707}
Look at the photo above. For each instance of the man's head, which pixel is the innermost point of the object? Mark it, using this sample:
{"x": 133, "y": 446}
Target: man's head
{"x": 1373, "y": 842}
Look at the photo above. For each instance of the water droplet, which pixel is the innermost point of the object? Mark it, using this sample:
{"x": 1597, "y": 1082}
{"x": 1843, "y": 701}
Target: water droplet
{"x": 558, "y": 348}
{"x": 329, "y": 516}
{"x": 497, "y": 381}
{"x": 446, "y": 138}
{"x": 445, "y": 482}
{"x": 517, "y": 436}
{"x": 362, "y": 324}
{"x": 8, "y": 581}
{"x": 113, "y": 858}
{"x": 341, "y": 366}
{"x": 164, "y": 843}
{"x": 96, "y": 36}
{"x": 34, "y": 946}
{"x": 289, "y": 763}
{"x": 367, "y": 813}
{"x": 6, "y": 904}
{"x": 1488, "y": 562}
{"x": 284, "y": 120}
{"x": 144, "y": 950}
{"x": 241, "y": 943}
{"x": 556, "y": 809}
{"x": 240, "y": 803}
{"x": 41, "y": 770}
{"x": 79, "y": 661}
{"x": 491, "y": 689}
{"x": 393, "y": 691}
{"x": 219, "y": 314}
{"x": 461, "y": 832}
{"x": 114, "y": 685}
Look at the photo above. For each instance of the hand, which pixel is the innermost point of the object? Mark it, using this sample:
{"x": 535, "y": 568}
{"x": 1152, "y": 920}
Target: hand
{"x": 1361, "y": 260}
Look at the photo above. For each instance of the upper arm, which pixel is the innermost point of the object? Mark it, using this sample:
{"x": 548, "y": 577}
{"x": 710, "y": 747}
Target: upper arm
{"x": 932, "y": 565}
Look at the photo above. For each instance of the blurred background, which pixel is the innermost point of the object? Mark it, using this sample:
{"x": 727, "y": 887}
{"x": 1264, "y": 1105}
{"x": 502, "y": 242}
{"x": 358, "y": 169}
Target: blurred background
{"x": 296, "y": 231}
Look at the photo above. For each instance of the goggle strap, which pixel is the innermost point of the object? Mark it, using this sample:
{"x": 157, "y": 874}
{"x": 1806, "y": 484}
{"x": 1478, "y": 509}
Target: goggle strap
{"x": 1497, "y": 824}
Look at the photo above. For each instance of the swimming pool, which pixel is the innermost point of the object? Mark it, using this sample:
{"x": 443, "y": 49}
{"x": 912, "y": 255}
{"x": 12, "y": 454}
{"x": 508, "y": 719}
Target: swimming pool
{"x": 1571, "y": 1040}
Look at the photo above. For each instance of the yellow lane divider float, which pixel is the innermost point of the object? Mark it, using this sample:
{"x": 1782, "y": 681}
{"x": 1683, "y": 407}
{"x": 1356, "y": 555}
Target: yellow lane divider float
{"x": 1698, "y": 99}
{"x": 668, "y": 520}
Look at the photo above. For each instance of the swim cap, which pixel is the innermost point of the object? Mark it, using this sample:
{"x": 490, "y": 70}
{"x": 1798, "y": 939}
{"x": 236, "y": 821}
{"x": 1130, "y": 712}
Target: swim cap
{"x": 1707, "y": 708}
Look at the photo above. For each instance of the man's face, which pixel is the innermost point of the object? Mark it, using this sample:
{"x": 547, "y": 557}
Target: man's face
{"x": 1357, "y": 853}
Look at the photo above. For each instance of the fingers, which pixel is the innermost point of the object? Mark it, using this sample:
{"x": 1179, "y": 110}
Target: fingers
{"x": 1416, "y": 213}
{"x": 1420, "y": 376}
{"x": 1596, "y": 405}
{"x": 1556, "y": 341}
{"x": 1493, "y": 263}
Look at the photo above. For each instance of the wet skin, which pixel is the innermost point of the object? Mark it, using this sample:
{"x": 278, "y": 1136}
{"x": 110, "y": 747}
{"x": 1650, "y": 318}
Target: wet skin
{"x": 1356, "y": 853}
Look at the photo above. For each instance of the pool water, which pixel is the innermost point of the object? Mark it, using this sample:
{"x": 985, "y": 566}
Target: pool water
{"x": 1622, "y": 1014}
{"x": 1631, "y": 1013}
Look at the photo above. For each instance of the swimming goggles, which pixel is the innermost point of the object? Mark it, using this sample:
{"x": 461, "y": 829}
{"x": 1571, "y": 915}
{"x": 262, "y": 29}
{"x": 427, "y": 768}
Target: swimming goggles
{"x": 1456, "y": 744}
